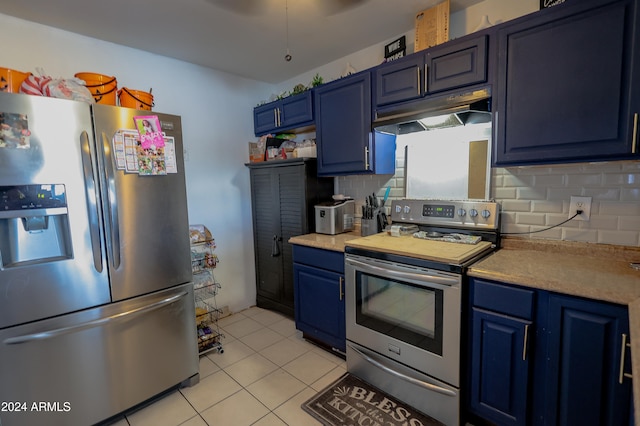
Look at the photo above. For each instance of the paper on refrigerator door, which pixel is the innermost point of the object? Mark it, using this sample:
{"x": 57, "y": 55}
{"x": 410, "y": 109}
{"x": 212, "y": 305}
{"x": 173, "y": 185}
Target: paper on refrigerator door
{"x": 131, "y": 157}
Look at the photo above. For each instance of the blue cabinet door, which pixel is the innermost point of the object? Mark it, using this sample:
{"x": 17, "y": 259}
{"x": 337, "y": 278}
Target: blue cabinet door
{"x": 346, "y": 143}
{"x": 319, "y": 304}
{"x": 264, "y": 119}
{"x": 343, "y": 124}
{"x": 499, "y": 367}
{"x": 584, "y": 363}
{"x": 568, "y": 85}
{"x": 401, "y": 80}
{"x": 295, "y": 111}
{"x": 457, "y": 64}
{"x": 454, "y": 64}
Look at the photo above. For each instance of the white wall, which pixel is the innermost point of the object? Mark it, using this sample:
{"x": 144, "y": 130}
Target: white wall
{"x": 216, "y": 110}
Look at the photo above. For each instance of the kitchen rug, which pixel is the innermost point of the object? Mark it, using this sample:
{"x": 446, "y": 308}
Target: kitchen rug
{"x": 351, "y": 402}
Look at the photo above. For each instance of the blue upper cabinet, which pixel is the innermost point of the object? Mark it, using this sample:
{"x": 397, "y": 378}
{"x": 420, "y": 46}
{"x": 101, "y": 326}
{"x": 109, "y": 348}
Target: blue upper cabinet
{"x": 286, "y": 114}
{"x": 568, "y": 85}
{"x": 451, "y": 65}
{"x": 346, "y": 144}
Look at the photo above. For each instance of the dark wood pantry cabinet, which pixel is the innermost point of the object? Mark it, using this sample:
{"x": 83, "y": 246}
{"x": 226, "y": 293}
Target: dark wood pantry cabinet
{"x": 568, "y": 84}
{"x": 283, "y": 196}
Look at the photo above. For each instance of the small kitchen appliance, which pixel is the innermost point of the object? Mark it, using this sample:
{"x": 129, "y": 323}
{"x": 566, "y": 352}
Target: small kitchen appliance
{"x": 403, "y": 300}
{"x": 335, "y": 217}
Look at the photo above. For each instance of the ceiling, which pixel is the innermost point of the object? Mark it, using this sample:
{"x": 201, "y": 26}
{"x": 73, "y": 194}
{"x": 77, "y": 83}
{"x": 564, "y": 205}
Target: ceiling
{"x": 211, "y": 33}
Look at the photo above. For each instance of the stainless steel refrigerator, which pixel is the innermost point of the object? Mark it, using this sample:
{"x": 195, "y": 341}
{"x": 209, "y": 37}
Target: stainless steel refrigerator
{"x": 96, "y": 307}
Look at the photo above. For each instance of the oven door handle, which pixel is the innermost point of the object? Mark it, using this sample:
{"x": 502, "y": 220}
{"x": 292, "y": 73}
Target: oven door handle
{"x": 412, "y": 380}
{"x": 431, "y": 279}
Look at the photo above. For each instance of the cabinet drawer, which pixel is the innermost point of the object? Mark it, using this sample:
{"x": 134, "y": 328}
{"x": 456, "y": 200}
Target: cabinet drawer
{"x": 324, "y": 259}
{"x": 513, "y": 301}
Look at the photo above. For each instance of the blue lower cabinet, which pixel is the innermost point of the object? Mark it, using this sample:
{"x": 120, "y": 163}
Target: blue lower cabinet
{"x": 500, "y": 368}
{"x": 584, "y": 384}
{"x": 546, "y": 358}
{"x": 319, "y": 295}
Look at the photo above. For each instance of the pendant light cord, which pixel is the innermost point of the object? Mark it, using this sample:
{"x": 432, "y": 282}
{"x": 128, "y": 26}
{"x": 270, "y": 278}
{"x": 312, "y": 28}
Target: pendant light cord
{"x": 288, "y": 56}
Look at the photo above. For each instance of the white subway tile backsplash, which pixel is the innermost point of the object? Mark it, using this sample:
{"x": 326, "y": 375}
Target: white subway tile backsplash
{"x": 622, "y": 178}
{"x": 619, "y": 209}
{"x": 630, "y": 194}
{"x": 618, "y": 237}
{"x": 629, "y": 223}
{"x": 519, "y": 181}
{"x": 582, "y": 180}
{"x": 548, "y": 180}
{"x": 583, "y": 235}
{"x": 532, "y": 193}
{"x": 516, "y": 205}
{"x": 530, "y": 219}
{"x": 535, "y": 197}
{"x": 603, "y": 193}
{"x": 504, "y": 193}
{"x": 546, "y": 207}
{"x": 549, "y": 234}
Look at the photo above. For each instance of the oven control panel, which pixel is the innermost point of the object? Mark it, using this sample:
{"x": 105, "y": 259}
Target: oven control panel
{"x": 459, "y": 213}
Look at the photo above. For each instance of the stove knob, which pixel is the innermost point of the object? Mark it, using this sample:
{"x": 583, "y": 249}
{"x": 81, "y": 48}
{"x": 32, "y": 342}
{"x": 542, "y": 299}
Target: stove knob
{"x": 407, "y": 209}
{"x": 473, "y": 212}
{"x": 486, "y": 214}
{"x": 398, "y": 208}
{"x": 462, "y": 212}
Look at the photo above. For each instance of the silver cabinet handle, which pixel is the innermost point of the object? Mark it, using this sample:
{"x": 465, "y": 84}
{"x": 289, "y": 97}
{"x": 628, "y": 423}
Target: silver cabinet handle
{"x": 341, "y": 294}
{"x": 93, "y": 323}
{"x": 92, "y": 201}
{"x": 417, "y": 382}
{"x": 426, "y": 78}
{"x": 112, "y": 204}
{"x": 526, "y": 341}
{"x": 366, "y": 158}
{"x": 623, "y": 352}
{"x": 419, "y": 82}
{"x": 634, "y": 139}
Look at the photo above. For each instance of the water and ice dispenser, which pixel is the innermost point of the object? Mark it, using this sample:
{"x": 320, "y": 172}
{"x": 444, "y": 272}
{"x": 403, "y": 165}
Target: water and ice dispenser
{"x": 34, "y": 225}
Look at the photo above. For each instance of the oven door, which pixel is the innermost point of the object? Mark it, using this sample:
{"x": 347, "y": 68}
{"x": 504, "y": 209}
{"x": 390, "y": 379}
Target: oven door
{"x": 406, "y": 313}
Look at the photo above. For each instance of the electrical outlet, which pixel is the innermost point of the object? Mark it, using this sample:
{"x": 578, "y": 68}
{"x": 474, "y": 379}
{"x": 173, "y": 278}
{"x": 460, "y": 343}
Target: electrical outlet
{"x": 580, "y": 203}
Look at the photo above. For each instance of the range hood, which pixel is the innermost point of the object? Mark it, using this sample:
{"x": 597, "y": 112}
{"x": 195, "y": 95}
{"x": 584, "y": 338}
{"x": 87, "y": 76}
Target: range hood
{"x": 434, "y": 112}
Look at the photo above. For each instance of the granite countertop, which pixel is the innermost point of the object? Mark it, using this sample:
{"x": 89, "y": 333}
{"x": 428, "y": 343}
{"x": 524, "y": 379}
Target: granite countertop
{"x": 594, "y": 271}
{"x": 328, "y": 242}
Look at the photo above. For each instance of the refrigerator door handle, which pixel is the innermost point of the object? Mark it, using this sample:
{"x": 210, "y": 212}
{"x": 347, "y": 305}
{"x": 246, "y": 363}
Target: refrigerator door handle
{"x": 93, "y": 323}
{"x": 114, "y": 224}
{"x": 92, "y": 201}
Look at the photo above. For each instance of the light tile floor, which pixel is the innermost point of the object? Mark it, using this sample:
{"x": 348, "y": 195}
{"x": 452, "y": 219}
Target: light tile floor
{"x": 265, "y": 372}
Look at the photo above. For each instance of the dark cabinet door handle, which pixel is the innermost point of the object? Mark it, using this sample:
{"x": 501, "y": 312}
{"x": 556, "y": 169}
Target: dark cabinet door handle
{"x": 275, "y": 248}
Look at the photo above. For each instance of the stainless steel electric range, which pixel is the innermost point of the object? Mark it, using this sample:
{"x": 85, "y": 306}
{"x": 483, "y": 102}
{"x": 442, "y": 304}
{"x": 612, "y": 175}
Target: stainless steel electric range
{"x": 404, "y": 295}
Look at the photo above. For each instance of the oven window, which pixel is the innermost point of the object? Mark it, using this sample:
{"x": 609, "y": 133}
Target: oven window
{"x": 407, "y": 312}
